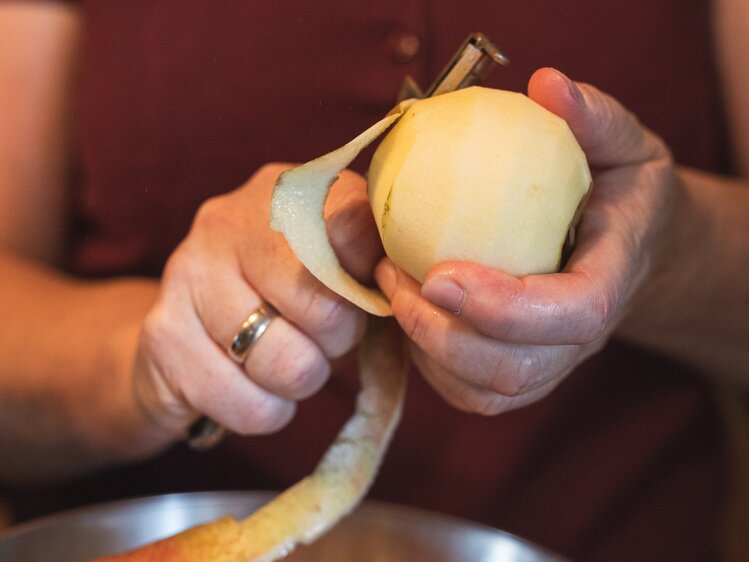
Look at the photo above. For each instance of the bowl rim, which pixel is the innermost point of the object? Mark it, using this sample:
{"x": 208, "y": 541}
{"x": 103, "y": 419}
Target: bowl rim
{"x": 252, "y": 500}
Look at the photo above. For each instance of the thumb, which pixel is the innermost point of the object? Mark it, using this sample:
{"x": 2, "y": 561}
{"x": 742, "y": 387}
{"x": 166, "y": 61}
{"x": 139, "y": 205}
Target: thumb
{"x": 610, "y": 135}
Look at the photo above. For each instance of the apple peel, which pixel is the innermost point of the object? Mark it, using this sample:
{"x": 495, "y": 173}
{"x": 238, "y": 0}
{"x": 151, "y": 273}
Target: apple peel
{"x": 297, "y": 212}
{"x": 308, "y": 509}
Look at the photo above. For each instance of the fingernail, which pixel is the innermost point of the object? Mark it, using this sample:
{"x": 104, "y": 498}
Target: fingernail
{"x": 572, "y": 88}
{"x": 386, "y": 276}
{"x": 444, "y": 293}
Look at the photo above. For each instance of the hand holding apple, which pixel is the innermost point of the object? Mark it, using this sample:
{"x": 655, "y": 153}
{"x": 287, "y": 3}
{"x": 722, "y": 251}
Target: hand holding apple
{"x": 490, "y": 342}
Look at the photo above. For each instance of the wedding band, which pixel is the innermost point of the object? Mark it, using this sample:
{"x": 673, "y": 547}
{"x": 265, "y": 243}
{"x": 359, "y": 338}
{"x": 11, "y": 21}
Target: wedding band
{"x": 250, "y": 332}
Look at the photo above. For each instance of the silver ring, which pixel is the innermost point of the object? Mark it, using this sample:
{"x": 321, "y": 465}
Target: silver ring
{"x": 251, "y": 331}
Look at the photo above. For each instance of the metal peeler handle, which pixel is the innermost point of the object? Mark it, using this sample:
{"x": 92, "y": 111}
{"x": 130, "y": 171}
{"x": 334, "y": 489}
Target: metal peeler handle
{"x": 471, "y": 65}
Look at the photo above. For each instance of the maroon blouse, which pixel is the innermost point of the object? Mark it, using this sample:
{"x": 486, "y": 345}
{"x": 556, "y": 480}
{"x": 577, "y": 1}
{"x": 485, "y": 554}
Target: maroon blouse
{"x": 183, "y": 99}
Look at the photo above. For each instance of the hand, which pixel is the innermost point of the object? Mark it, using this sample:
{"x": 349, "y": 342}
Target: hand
{"x": 489, "y": 342}
{"x": 230, "y": 264}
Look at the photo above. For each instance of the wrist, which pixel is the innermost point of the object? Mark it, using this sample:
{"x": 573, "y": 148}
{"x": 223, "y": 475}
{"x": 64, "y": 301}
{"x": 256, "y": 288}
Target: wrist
{"x": 692, "y": 306}
{"x": 672, "y": 268}
{"x": 112, "y": 414}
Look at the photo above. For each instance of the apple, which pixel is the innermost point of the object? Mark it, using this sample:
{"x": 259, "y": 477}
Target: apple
{"x": 478, "y": 175}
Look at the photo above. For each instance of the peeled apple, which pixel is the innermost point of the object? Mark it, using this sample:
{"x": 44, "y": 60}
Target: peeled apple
{"x": 478, "y": 175}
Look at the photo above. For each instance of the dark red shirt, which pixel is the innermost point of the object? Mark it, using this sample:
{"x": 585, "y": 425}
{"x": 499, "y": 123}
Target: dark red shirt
{"x": 181, "y": 100}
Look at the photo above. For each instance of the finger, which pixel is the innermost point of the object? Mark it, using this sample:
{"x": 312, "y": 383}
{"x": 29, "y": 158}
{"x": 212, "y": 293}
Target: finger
{"x": 283, "y": 360}
{"x": 287, "y": 363}
{"x": 334, "y": 324}
{"x": 237, "y": 228}
{"x": 482, "y": 361}
{"x": 227, "y": 395}
{"x": 470, "y": 398}
{"x": 574, "y": 307}
{"x": 608, "y": 134}
{"x": 187, "y": 367}
{"x": 351, "y": 227}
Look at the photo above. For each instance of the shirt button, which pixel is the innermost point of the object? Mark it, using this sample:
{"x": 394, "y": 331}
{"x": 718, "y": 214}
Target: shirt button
{"x": 406, "y": 47}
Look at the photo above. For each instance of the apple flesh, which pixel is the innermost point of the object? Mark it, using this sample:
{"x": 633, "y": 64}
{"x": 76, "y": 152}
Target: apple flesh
{"x": 478, "y": 175}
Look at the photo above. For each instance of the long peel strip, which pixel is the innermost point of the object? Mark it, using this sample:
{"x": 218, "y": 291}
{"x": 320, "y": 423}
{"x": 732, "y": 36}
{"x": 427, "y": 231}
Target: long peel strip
{"x": 297, "y": 211}
{"x": 339, "y": 482}
{"x": 305, "y": 511}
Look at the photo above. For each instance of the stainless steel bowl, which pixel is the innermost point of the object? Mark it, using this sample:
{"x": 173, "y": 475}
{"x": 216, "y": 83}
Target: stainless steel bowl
{"x": 374, "y": 532}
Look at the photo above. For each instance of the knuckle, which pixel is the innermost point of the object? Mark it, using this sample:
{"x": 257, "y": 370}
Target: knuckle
{"x": 662, "y": 155}
{"x": 157, "y": 331}
{"x": 488, "y": 406}
{"x": 218, "y": 215}
{"x": 417, "y": 328}
{"x": 515, "y": 373}
{"x": 304, "y": 371}
{"x": 266, "y": 416}
{"x": 336, "y": 324}
{"x": 213, "y": 213}
{"x": 326, "y": 314}
{"x": 481, "y": 403}
{"x": 458, "y": 393}
{"x": 182, "y": 266}
{"x": 600, "y": 315}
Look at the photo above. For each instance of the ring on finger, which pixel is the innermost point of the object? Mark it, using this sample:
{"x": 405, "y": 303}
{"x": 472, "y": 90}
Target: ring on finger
{"x": 251, "y": 331}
